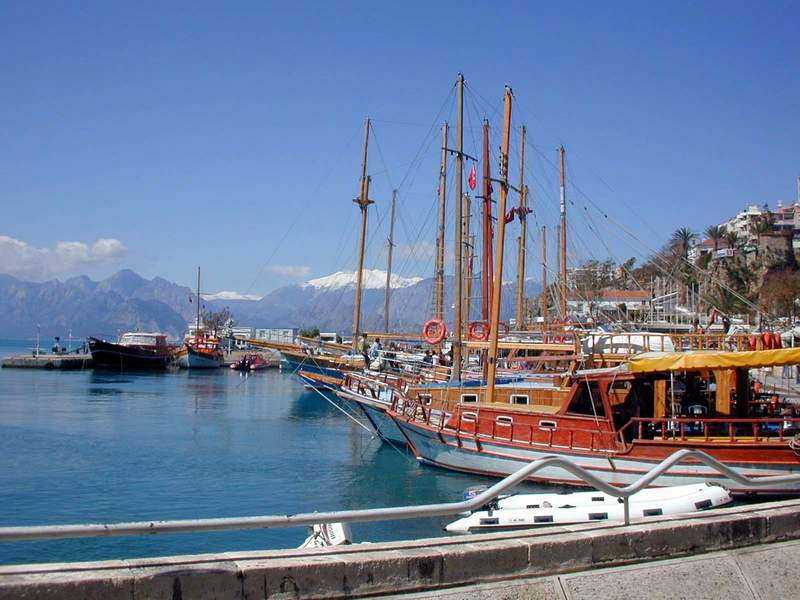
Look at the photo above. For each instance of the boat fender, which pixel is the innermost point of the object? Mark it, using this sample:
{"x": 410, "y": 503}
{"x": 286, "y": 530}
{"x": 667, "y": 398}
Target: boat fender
{"x": 478, "y": 330}
{"x": 766, "y": 339}
{"x": 777, "y": 342}
{"x": 752, "y": 342}
{"x": 434, "y": 331}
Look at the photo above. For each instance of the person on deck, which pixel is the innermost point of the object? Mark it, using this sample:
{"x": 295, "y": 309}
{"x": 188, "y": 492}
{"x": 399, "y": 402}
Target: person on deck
{"x": 365, "y": 350}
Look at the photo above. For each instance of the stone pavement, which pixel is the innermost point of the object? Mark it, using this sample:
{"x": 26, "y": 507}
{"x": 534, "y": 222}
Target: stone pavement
{"x": 766, "y": 572}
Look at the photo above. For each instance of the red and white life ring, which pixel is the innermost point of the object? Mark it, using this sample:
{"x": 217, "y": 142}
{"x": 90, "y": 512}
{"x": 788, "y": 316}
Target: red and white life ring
{"x": 502, "y": 328}
{"x": 478, "y": 330}
{"x": 434, "y": 331}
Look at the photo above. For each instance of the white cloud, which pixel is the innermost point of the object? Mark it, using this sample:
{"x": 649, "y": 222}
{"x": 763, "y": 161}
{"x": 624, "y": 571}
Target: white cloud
{"x": 227, "y": 295}
{"x": 22, "y": 260}
{"x": 291, "y": 270}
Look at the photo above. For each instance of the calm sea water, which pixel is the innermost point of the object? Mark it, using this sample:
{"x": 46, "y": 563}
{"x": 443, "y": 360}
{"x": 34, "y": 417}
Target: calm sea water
{"x": 92, "y": 446}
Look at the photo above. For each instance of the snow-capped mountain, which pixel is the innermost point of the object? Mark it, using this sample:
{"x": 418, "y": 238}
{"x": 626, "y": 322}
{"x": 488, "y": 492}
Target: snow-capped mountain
{"x": 225, "y": 295}
{"x": 373, "y": 279}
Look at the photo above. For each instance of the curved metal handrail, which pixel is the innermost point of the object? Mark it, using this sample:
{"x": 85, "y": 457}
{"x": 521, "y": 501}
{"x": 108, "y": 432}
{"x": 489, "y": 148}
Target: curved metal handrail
{"x": 9, "y": 534}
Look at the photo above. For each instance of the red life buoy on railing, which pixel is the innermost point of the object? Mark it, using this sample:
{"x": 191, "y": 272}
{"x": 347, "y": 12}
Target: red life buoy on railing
{"x": 434, "y": 331}
{"x": 478, "y": 330}
{"x": 502, "y": 329}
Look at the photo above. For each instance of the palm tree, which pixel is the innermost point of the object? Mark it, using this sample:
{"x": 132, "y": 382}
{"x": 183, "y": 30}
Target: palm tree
{"x": 714, "y": 233}
{"x": 762, "y": 224}
{"x": 680, "y": 242}
{"x": 731, "y": 238}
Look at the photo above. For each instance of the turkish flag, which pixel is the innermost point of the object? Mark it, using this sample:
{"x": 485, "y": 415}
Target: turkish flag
{"x": 473, "y": 177}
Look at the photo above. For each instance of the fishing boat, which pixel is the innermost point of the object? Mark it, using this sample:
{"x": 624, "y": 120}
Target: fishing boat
{"x": 200, "y": 351}
{"x": 524, "y": 511}
{"x": 133, "y": 351}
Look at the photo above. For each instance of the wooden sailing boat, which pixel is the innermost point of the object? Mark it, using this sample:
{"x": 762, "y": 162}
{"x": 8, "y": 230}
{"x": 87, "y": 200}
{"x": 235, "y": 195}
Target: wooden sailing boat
{"x": 616, "y": 422}
{"x": 200, "y": 350}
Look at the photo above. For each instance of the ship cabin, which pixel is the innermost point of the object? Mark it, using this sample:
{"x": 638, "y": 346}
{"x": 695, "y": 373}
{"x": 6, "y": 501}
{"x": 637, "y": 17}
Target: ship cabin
{"x": 144, "y": 340}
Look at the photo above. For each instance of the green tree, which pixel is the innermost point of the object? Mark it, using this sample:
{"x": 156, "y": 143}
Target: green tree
{"x": 715, "y": 233}
{"x": 731, "y": 238}
{"x": 680, "y": 242}
{"x": 309, "y": 333}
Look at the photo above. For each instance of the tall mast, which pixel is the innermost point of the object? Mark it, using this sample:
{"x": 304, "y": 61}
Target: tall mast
{"x": 389, "y": 267}
{"x": 363, "y": 202}
{"x": 523, "y": 235}
{"x": 486, "y": 265}
{"x": 197, "y": 321}
{"x": 438, "y": 303}
{"x": 467, "y": 211}
{"x": 544, "y": 301}
{"x": 563, "y": 236}
{"x": 501, "y": 234}
{"x": 456, "y": 371}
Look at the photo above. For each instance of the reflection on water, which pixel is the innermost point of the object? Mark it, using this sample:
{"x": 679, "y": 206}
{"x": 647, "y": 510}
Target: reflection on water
{"x": 78, "y": 447}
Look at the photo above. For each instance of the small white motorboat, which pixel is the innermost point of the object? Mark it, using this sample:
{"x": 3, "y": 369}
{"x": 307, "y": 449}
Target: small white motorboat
{"x": 323, "y": 535}
{"x": 536, "y": 510}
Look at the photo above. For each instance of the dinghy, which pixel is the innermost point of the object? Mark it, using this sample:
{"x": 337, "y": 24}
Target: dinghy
{"x": 536, "y": 510}
{"x": 323, "y": 535}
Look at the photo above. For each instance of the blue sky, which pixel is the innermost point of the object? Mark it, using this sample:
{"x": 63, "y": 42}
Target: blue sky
{"x": 229, "y": 136}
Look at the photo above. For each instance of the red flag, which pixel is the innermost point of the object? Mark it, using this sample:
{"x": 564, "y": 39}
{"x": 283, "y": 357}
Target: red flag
{"x": 473, "y": 177}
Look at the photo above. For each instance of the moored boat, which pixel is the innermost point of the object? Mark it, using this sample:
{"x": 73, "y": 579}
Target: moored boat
{"x": 133, "y": 351}
{"x": 251, "y": 362}
{"x": 200, "y": 352}
{"x": 615, "y": 422}
{"x": 523, "y": 511}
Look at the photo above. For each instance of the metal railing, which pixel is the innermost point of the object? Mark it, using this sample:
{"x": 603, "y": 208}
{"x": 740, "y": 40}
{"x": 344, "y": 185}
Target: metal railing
{"x": 10, "y": 534}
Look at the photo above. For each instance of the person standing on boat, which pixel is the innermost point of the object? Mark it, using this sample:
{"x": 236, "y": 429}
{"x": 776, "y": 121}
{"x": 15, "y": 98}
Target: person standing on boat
{"x": 375, "y": 352}
{"x": 365, "y": 350}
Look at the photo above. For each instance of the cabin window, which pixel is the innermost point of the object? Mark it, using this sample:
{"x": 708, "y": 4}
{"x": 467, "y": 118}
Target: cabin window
{"x": 702, "y": 504}
{"x": 598, "y": 516}
{"x": 469, "y": 397}
{"x": 519, "y": 399}
{"x": 542, "y": 519}
{"x": 587, "y": 400}
{"x": 652, "y": 512}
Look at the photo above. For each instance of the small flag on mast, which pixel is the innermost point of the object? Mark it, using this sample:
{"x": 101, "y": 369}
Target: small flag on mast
{"x": 473, "y": 177}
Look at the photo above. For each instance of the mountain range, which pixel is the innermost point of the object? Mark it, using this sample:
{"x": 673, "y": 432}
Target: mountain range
{"x": 127, "y": 302}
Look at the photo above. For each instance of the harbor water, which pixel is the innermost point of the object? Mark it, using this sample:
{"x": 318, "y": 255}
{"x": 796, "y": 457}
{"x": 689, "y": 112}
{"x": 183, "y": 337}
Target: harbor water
{"x": 99, "y": 447}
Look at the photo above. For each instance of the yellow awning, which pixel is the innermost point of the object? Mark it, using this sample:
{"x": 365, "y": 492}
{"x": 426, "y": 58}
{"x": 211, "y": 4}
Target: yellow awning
{"x": 651, "y": 362}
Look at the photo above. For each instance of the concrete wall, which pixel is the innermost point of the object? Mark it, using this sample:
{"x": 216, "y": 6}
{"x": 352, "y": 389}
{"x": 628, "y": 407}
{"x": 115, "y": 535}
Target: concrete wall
{"x": 399, "y": 567}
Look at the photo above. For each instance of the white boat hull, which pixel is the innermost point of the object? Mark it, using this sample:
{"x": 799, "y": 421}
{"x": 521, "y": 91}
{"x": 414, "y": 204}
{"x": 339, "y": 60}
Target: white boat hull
{"x": 538, "y": 510}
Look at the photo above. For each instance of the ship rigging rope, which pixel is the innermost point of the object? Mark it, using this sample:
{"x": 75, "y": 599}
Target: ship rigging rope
{"x": 346, "y": 413}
